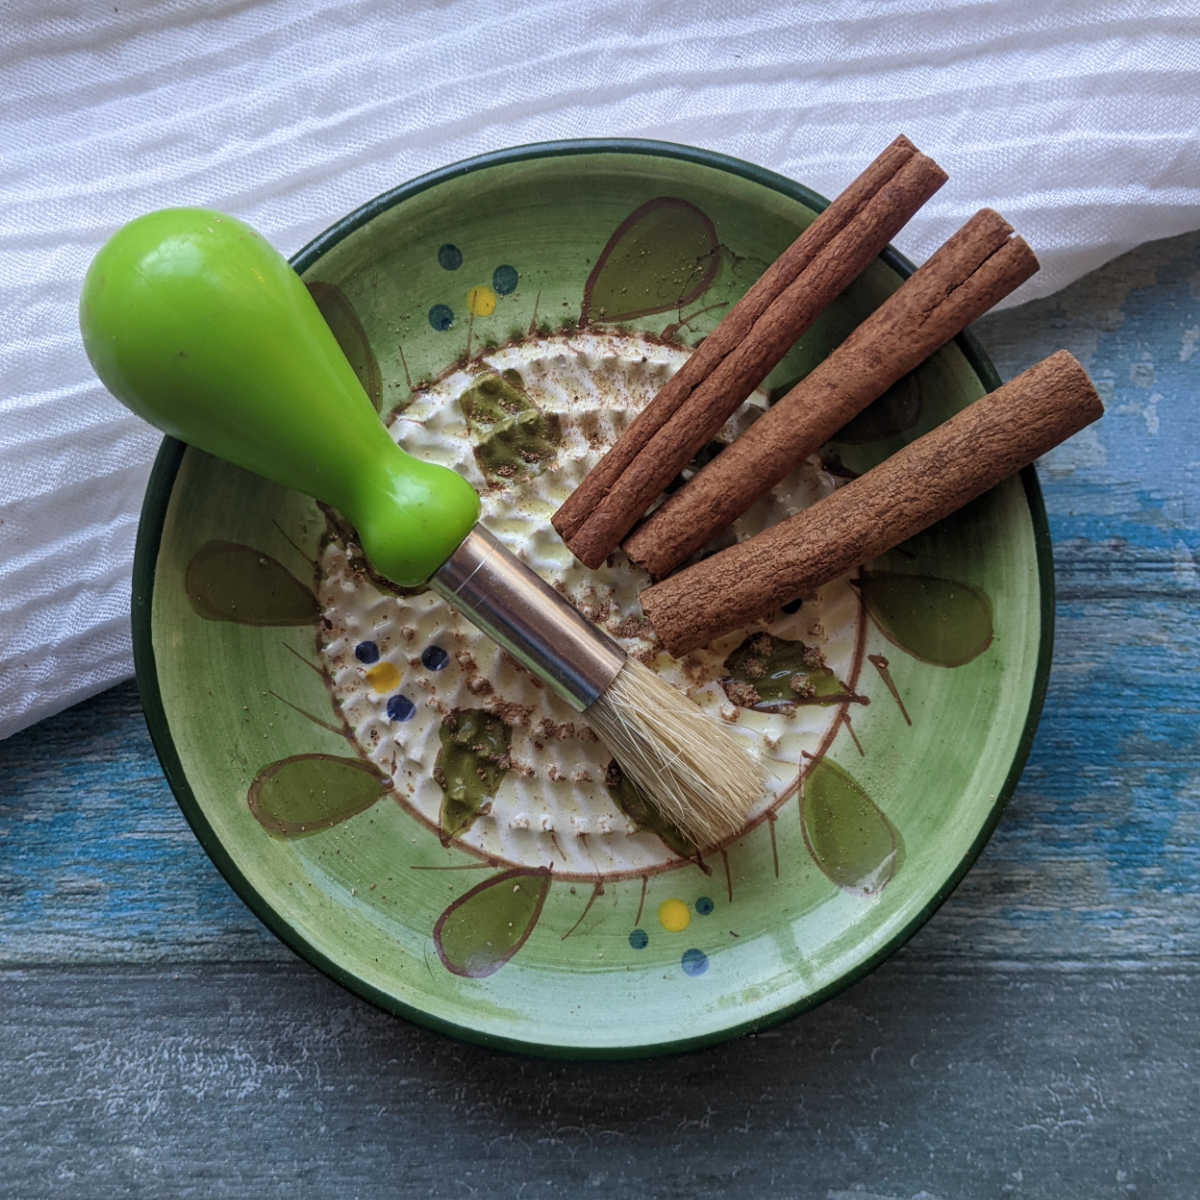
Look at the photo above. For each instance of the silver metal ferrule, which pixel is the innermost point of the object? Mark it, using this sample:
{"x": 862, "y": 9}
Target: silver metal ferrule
{"x": 511, "y": 603}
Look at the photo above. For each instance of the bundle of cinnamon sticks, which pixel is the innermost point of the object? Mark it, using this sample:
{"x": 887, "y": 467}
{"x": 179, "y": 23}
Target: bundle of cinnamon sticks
{"x": 933, "y": 476}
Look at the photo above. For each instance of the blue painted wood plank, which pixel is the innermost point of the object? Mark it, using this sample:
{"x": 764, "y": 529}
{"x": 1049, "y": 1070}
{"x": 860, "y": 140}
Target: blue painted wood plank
{"x": 97, "y": 862}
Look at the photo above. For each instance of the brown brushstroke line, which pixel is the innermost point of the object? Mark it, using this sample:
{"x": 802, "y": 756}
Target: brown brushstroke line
{"x": 671, "y": 332}
{"x": 845, "y": 720}
{"x": 641, "y": 901}
{"x": 881, "y": 664}
{"x": 311, "y": 666}
{"x": 483, "y": 866}
{"x": 284, "y": 534}
{"x": 404, "y": 367}
{"x": 597, "y": 890}
{"x": 315, "y": 720}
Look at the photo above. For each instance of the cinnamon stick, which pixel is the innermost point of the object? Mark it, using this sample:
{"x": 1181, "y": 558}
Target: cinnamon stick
{"x": 738, "y": 354}
{"x": 919, "y": 485}
{"x": 977, "y": 266}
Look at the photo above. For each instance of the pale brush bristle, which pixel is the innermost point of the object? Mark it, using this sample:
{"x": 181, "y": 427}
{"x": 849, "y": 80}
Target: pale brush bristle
{"x": 692, "y": 769}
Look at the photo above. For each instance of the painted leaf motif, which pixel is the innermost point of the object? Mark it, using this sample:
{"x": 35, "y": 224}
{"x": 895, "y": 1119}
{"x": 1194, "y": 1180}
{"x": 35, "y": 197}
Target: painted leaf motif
{"x": 852, "y": 842}
{"x": 898, "y": 409}
{"x": 939, "y": 621}
{"x": 662, "y": 256}
{"x": 493, "y": 398}
{"x": 470, "y": 765}
{"x": 226, "y": 581}
{"x": 486, "y": 926}
{"x": 520, "y": 447}
{"x": 309, "y": 792}
{"x": 632, "y": 801}
{"x": 773, "y": 674}
{"x": 347, "y": 329}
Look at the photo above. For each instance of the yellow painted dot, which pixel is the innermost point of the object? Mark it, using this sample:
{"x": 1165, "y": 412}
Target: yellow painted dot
{"x": 383, "y": 677}
{"x": 674, "y": 916}
{"x": 481, "y": 301}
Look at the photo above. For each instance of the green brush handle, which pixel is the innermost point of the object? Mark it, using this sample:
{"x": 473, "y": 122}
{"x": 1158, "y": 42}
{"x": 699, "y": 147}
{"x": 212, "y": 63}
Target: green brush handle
{"x": 196, "y": 324}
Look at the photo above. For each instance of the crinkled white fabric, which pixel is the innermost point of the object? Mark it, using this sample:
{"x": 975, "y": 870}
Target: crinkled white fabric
{"x": 1078, "y": 122}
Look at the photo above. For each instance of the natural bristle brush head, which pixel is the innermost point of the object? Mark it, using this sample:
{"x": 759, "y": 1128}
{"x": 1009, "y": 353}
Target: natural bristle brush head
{"x": 694, "y": 770}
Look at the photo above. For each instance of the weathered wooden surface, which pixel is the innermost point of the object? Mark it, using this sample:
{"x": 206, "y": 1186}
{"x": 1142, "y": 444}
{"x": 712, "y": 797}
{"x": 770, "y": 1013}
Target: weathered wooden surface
{"x": 241, "y": 1081}
{"x": 1039, "y": 1038}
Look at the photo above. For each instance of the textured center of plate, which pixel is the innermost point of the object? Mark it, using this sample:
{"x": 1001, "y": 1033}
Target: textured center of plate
{"x": 475, "y": 746}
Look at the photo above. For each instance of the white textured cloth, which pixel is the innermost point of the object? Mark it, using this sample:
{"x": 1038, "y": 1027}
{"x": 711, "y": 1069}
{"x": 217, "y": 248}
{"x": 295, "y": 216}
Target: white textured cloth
{"x": 1078, "y": 122}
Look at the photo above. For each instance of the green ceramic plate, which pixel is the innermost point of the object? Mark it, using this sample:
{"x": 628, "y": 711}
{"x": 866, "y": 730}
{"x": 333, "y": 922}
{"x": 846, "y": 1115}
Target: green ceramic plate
{"x": 417, "y": 817}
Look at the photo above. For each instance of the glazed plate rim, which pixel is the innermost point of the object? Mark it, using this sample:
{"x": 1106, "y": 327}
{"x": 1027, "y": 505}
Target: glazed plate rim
{"x": 149, "y": 539}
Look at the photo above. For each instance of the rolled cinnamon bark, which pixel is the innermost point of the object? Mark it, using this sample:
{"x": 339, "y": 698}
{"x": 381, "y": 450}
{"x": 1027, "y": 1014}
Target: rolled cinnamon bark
{"x": 974, "y": 269}
{"x": 919, "y": 485}
{"x": 739, "y": 353}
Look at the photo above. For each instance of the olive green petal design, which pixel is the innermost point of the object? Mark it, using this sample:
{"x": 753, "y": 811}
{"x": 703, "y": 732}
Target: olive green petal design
{"x": 852, "y": 842}
{"x": 306, "y": 793}
{"x": 662, "y": 256}
{"x": 485, "y": 927}
{"x": 227, "y": 581}
{"x": 773, "y": 674}
{"x": 343, "y": 322}
{"x": 493, "y": 398}
{"x": 470, "y": 766}
{"x": 939, "y": 621}
{"x": 520, "y": 447}
{"x": 632, "y": 801}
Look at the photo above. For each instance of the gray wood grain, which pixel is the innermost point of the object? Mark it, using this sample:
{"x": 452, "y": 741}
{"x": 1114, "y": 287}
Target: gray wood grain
{"x": 946, "y": 1084}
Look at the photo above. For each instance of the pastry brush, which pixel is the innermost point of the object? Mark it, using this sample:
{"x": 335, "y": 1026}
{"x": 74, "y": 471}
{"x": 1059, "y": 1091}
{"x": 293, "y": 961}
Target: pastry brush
{"x": 198, "y": 326}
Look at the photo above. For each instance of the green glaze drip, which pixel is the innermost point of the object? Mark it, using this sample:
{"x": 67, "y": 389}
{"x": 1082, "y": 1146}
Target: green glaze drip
{"x": 898, "y": 409}
{"x": 632, "y": 801}
{"x": 939, "y": 621}
{"x": 470, "y": 765}
{"x": 852, "y": 842}
{"x": 521, "y": 446}
{"x": 662, "y": 256}
{"x": 226, "y": 581}
{"x": 310, "y": 792}
{"x": 481, "y": 930}
{"x": 494, "y": 398}
{"x": 347, "y": 329}
{"x": 771, "y": 674}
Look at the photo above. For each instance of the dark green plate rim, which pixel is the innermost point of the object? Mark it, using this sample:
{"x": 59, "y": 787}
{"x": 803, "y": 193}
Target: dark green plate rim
{"x": 150, "y": 529}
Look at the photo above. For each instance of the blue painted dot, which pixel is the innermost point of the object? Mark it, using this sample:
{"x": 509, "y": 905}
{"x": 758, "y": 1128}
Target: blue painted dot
{"x": 366, "y": 652}
{"x": 694, "y": 962}
{"x": 440, "y": 317}
{"x": 400, "y": 707}
{"x": 704, "y": 906}
{"x": 434, "y": 657}
{"x": 792, "y": 606}
{"x": 504, "y": 279}
{"x": 639, "y": 939}
{"x": 449, "y": 256}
